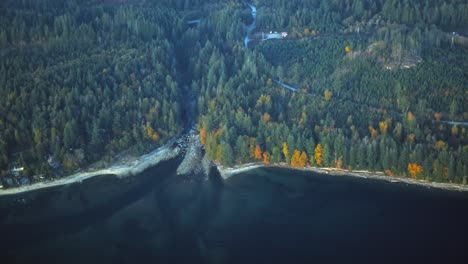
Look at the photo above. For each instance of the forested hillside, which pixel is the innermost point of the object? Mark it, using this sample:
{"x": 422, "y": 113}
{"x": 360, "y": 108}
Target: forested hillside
{"x": 375, "y": 91}
{"x": 356, "y": 84}
{"x": 82, "y": 80}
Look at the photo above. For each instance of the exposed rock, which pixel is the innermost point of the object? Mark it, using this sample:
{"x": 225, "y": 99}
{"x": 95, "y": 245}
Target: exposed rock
{"x": 194, "y": 162}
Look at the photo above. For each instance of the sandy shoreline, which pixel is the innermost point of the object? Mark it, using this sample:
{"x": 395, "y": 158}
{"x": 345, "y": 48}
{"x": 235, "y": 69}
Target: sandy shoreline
{"x": 119, "y": 169}
{"x": 227, "y": 172}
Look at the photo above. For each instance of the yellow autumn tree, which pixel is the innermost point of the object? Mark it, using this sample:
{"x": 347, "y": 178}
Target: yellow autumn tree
{"x": 347, "y": 49}
{"x": 148, "y": 130}
{"x": 328, "y": 95}
{"x": 258, "y": 152}
{"x": 285, "y": 151}
{"x": 318, "y": 154}
{"x": 439, "y": 145}
{"x": 373, "y": 131}
{"x": 263, "y": 99}
{"x": 266, "y": 157}
{"x": 296, "y": 159}
{"x": 383, "y": 126}
{"x": 414, "y": 169}
{"x": 150, "y": 133}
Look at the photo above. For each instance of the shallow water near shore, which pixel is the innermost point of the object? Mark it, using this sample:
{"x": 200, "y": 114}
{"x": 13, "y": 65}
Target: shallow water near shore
{"x": 266, "y": 215}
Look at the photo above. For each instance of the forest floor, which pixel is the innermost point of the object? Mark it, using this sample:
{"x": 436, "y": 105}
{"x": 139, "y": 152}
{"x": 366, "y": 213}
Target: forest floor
{"x": 227, "y": 172}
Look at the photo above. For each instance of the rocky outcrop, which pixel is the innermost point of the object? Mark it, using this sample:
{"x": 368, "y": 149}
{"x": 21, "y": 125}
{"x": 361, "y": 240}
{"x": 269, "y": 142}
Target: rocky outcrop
{"x": 195, "y": 163}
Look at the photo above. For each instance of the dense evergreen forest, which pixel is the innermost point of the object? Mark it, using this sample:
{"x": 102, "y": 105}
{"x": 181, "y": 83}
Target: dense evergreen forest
{"x": 378, "y": 83}
{"x": 80, "y": 80}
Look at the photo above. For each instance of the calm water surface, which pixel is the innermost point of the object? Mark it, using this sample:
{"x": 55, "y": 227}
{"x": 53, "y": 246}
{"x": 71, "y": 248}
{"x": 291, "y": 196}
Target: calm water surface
{"x": 263, "y": 216}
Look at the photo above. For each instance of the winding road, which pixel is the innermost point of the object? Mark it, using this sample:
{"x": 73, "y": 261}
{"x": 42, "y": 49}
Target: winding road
{"x": 289, "y": 87}
{"x": 247, "y": 39}
{"x": 295, "y": 90}
{"x": 252, "y": 26}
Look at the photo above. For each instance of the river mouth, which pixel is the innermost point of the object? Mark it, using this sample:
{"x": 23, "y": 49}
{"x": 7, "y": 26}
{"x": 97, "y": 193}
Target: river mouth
{"x": 267, "y": 215}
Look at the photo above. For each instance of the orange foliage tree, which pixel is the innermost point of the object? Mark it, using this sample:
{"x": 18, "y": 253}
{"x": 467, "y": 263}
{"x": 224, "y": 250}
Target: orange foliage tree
{"x": 266, "y": 157}
{"x": 414, "y": 169}
{"x": 202, "y": 136}
{"x": 258, "y": 152}
{"x": 303, "y": 159}
{"x": 318, "y": 154}
{"x": 155, "y": 136}
{"x": 266, "y": 117}
{"x": 150, "y": 133}
{"x": 437, "y": 115}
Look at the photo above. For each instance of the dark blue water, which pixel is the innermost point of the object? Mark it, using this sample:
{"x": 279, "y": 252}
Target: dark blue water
{"x": 263, "y": 216}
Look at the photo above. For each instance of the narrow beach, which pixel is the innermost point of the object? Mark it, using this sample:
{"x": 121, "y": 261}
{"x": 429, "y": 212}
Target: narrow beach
{"x": 119, "y": 169}
{"x": 227, "y": 172}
